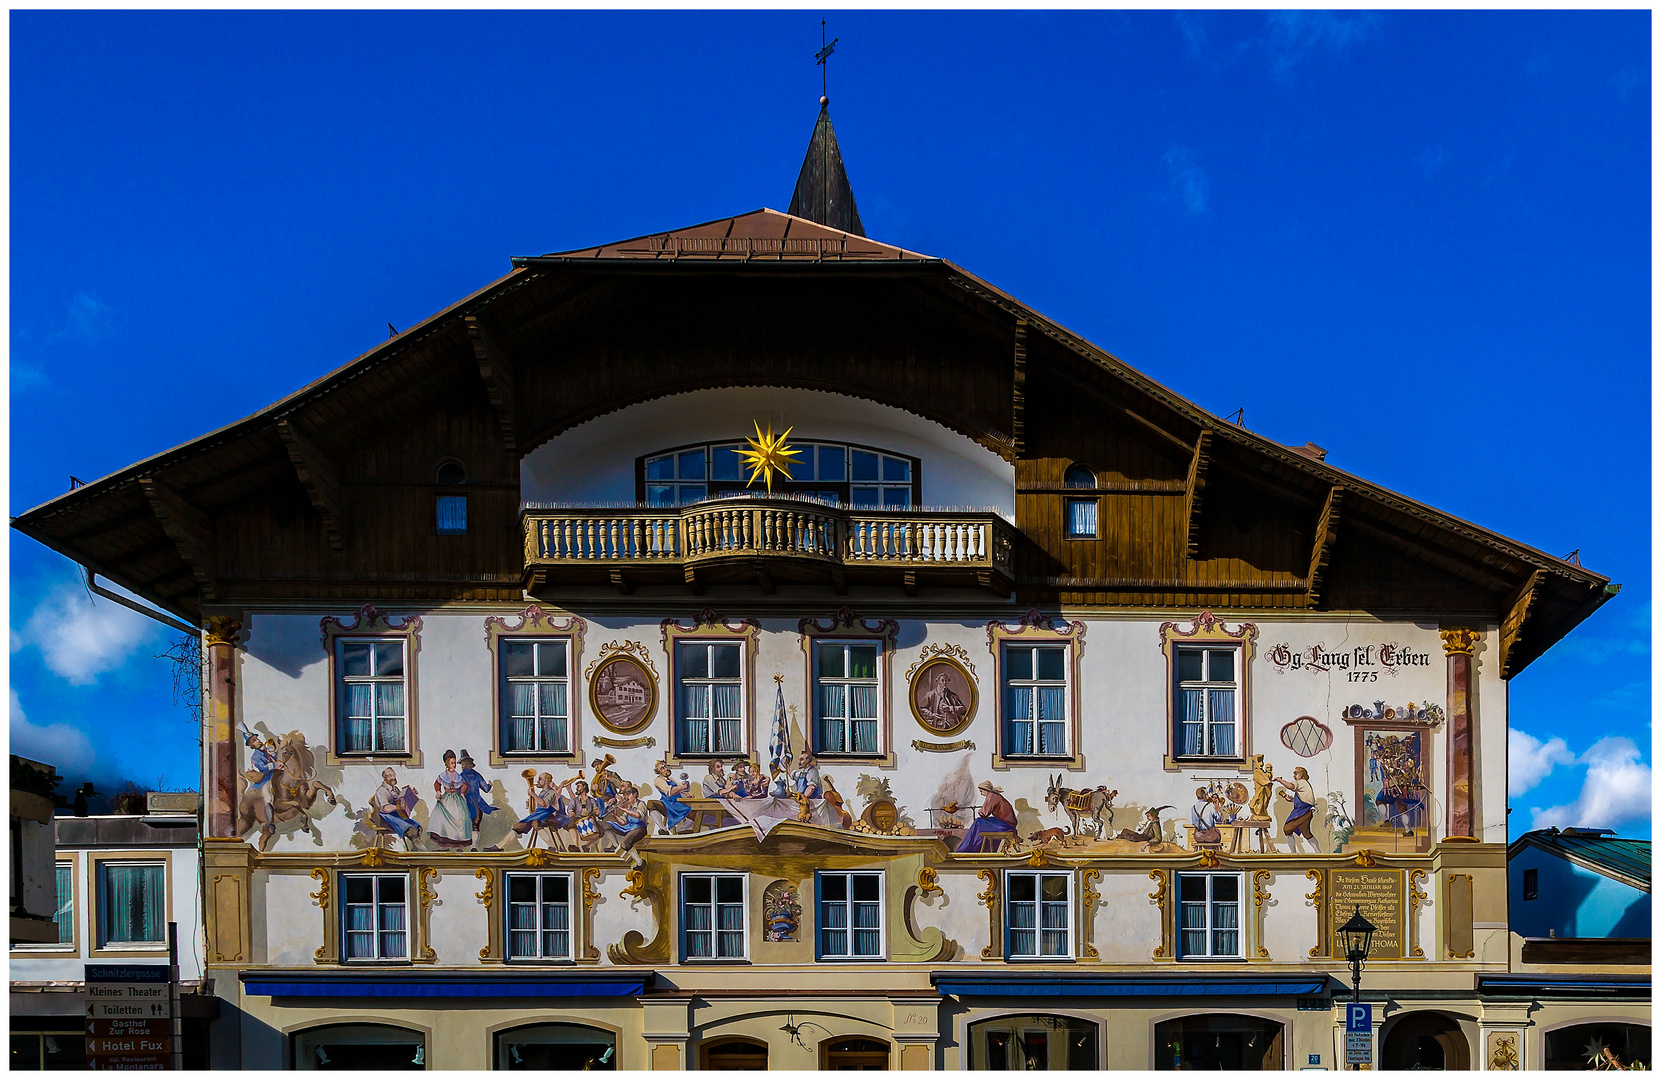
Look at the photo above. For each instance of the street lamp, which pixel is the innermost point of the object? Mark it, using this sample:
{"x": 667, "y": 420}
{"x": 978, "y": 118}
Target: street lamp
{"x": 1357, "y": 935}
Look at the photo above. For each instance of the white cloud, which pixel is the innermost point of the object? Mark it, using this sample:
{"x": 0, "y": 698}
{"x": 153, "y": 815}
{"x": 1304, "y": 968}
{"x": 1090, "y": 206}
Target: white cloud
{"x": 1295, "y": 37}
{"x": 78, "y": 639}
{"x": 1616, "y": 790}
{"x": 62, "y": 746}
{"x": 1186, "y": 180}
{"x": 1530, "y": 761}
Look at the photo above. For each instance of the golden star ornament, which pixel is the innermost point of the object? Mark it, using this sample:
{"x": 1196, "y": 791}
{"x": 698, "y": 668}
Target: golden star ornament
{"x": 768, "y": 454}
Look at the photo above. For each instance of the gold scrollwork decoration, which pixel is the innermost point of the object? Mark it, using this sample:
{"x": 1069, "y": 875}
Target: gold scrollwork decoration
{"x": 1460, "y": 641}
{"x": 377, "y": 856}
{"x": 1415, "y": 899}
{"x": 1087, "y": 911}
{"x": 321, "y": 876}
{"x": 426, "y": 895}
{"x": 1210, "y": 860}
{"x": 942, "y": 747}
{"x": 1163, "y": 877}
{"x": 648, "y": 882}
{"x": 1315, "y": 898}
{"x": 1503, "y": 1056}
{"x": 1365, "y": 857}
{"x": 590, "y": 875}
{"x": 928, "y": 881}
{"x": 990, "y": 899}
{"x": 1260, "y": 894}
{"x": 487, "y": 896}
{"x": 989, "y": 876}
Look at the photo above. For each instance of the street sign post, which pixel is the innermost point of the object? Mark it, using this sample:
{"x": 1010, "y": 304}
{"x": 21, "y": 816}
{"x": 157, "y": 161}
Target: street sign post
{"x": 1358, "y": 1017}
{"x": 1358, "y": 1048}
{"x": 132, "y": 1015}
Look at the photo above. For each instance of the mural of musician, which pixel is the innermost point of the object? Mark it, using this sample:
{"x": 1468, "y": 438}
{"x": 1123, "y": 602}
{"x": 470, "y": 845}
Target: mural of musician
{"x": 474, "y": 786}
{"x": 280, "y": 786}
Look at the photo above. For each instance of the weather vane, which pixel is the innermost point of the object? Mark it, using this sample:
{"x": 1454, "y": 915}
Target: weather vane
{"x": 768, "y": 454}
{"x": 821, "y": 57}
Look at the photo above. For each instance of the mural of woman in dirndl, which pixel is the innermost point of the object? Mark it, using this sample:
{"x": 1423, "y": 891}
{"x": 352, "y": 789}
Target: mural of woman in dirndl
{"x": 451, "y": 824}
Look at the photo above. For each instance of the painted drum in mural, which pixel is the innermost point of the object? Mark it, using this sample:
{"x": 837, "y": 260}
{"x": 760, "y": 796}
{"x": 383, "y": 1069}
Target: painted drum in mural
{"x": 943, "y": 696}
{"x": 622, "y": 693}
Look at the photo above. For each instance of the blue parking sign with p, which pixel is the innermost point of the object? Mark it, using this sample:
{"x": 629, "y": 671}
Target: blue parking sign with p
{"x": 1360, "y": 1018}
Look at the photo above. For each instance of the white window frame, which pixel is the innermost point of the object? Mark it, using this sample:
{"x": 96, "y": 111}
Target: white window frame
{"x": 714, "y": 909}
{"x": 505, "y": 680}
{"x": 1007, "y": 722}
{"x": 682, "y": 680}
{"x": 376, "y": 905}
{"x": 1210, "y": 928}
{"x": 847, "y": 906}
{"x": 875, "y": 682}
{"x": 1207, "y": 686}
{"x": 537, "y": 931}
{"x": 1037, "y": 905}
{"x": 343, "y": 680}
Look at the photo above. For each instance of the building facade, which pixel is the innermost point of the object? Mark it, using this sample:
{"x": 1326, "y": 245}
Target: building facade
{"x": 754, "y": 645}
{"x": 120, "y": 880}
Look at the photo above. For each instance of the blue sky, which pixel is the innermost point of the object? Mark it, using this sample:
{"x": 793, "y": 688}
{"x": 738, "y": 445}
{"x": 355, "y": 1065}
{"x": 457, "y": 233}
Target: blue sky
{"x": 1420, "y": 240}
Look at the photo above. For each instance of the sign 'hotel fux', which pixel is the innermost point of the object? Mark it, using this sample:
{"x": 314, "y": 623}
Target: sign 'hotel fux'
{"x": 1018, "y": 713}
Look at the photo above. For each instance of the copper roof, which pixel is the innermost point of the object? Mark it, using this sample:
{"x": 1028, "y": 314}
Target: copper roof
{"x": 759, "y": 235}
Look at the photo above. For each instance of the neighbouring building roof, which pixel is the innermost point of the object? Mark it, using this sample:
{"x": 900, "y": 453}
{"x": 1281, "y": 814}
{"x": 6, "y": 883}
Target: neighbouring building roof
{"x": 1598, "y": 850}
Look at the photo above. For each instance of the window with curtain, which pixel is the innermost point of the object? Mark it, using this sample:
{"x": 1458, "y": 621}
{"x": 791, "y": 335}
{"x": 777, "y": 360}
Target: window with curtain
{"x": 1080, "y": 523}
{"x": 850, "y": 915}
{"x": 372, "y": 691}
{"x": 1035, "y": 700}
{"x": 710, "y": 697}
{"x": 1038, "y": 915}
{"x": 452, "y": 515}
{"x": 374, "y": 917}
{"x": 536, "y": 696}
{"x": 539, "y": 916}
{"x": 846, "y": 698}
{"x": 132, "y": 904}
{"x": 1210, "y": 907}
{"x": 712, "y": 916}
{"x": 1207, "y": 721}
{"x": 65, "y": 915}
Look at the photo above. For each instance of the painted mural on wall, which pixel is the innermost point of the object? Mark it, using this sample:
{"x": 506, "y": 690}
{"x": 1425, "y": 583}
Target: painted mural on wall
{"x": 279, "y": 786}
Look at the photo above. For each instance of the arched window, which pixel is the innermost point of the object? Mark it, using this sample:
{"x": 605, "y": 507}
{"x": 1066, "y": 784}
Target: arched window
{"x": 864, "y": 477}
{"x": 1598, "y": 1046}
{"x": 1219, "y": 1041}
{"x": 1016, "y": 1043}
{"x": 737, "y": 1055}
{"x": 565, "y": 1047}
{"x": 451, "y": 505}
{"x": 855, "y": 1054}
{"x": 1424, "y": 1040}
{"x": 1079, "y": 476}
{"x": 360, "y": 1047}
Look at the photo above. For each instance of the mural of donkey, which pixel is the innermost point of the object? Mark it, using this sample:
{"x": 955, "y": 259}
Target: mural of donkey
{"x": 1080, "y": 805}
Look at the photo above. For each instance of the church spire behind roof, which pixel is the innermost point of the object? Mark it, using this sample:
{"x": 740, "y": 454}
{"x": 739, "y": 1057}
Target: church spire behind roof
{"x": 823, "y": 193}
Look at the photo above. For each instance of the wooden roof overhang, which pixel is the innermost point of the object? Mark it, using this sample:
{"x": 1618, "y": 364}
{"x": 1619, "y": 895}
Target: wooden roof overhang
{"x": 762, "y": 299}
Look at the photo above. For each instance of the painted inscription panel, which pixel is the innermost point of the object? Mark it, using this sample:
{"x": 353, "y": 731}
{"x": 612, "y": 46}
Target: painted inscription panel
{"x": 1381, "y": 896}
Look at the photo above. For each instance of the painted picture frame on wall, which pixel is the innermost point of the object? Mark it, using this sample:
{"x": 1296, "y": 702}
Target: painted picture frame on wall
{"x": 622, "y": 691}
{"x": 942, "y": 694}
{"x": 1392, "y": 780}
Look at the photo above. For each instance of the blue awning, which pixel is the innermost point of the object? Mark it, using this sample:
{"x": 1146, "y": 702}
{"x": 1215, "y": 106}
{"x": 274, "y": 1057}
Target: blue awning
{"x": 1131, "y": 986}
{"x": 321, "y": 984}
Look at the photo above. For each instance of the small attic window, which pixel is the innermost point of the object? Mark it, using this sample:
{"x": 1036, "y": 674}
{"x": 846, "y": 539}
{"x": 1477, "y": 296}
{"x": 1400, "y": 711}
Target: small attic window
{"x": 1079, "y": 476}
{"x": 451, "y": 509}
{"x": 451, "y": 474}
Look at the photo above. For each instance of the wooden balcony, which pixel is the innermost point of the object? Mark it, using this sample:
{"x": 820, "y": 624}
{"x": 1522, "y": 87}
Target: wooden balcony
{"x": 766, "y": 541}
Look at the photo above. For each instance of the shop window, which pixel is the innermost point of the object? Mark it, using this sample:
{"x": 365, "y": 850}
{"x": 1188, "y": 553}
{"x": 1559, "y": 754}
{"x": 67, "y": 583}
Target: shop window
{"x": 850, "y": 915}
{"x": 360, "y": 1047}
{"x": 536, "y": 696}
{"x": 371, "y": 695}
{"x": 1210, "y": 912}
{"x": 132, "y": 904}
{"x": 1036, "y": 700}
{"x": 712, "y": 916}
{"x": 539, "y": 916}
{"x": 375, "y": 916}
{"x": 1599, "y": 1046}
{"x": 1038, "y": 916}
{"x": 846, "y": 698}
{"x": 1219, "y": 1041}
{"x": 557, "y": 1047}
{"x": 856, "y": 1055}
{"x": 1020, "y": 1043}
{"x": 734, "y": 1055}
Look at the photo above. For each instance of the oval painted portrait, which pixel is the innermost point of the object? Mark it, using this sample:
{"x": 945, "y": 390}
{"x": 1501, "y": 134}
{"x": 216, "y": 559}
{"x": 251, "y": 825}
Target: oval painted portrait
{"x": 943, "y": 696}
{"x": 623, "y": 694}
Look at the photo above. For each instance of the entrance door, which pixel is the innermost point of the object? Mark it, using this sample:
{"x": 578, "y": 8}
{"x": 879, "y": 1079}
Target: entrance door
{"x": 736, "y": 1055}
{"x": 857, "y": 1054}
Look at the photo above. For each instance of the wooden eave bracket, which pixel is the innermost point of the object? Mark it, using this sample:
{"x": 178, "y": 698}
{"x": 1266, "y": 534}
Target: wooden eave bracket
{"x": 1517, "y": 610}
{"x": 1453, "y": 564}
{"x": 498, "y": 378}
{"x": 317, "y": 475}
{"x": 190, "y": 529}
{"x": 1195, "y": 496}
{"x": 1326, "y": 537}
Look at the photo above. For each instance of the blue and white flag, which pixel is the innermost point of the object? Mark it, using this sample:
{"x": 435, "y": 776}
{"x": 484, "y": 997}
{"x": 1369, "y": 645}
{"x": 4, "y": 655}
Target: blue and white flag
{"x": 779, "y": 747}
